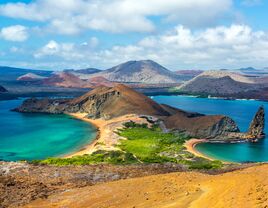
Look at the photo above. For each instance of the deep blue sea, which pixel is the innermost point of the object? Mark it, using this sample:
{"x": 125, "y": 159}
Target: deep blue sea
{"x": 38, "y": 136}
{"x": 242, "y": 111}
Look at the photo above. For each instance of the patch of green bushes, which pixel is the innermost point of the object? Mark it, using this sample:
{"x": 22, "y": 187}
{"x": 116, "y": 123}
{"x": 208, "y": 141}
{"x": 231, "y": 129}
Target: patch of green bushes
{"x": 147, "y": 143}
{"x": 101, "y": 156}
{"x": 132, "y": 124}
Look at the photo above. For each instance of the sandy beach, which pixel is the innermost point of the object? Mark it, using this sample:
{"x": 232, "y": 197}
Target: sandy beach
{"x": 106, "y": 138}
{"x": 190, "y": 147}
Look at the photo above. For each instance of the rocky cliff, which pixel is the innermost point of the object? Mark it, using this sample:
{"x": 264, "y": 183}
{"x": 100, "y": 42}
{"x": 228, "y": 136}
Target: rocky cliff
{"x": 256, "y": 128}
{"x": 199, "y": 125}
{"x": 111, "y": 102}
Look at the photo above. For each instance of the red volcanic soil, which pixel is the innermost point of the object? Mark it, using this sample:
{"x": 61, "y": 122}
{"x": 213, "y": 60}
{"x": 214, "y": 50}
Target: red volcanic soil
{"x": 30, "y": 77}
{"x": 65, "y": 79}
{"x": 100, "y": 81}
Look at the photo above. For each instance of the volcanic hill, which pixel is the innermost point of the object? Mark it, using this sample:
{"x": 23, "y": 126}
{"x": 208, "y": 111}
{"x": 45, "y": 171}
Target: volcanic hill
{"x": 219, "y": 83}
{"x": 30, "y": 77}
{"x": 145, "y": 71}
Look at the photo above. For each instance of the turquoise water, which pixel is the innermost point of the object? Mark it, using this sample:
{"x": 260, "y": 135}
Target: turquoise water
{"x": 38, "y": 136}
{"x": 242, "y": 111}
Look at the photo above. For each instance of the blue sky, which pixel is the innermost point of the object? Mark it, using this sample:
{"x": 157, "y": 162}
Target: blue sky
{"x": 179, "y": 34}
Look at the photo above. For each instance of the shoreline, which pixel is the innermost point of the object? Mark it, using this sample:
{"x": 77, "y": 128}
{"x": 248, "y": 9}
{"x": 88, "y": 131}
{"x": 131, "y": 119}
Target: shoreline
{"x": 106, "y": 138}
{"x": 88, "y": 148}
{"x": 190, "y": 147}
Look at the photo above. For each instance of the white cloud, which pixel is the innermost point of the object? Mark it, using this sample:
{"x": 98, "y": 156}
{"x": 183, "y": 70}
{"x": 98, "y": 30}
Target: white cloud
{"x": 218, "y": 47}
{"x": 54, "y": 49}
{"x": 17, "y": 33}
{"x": 74, "y": 16}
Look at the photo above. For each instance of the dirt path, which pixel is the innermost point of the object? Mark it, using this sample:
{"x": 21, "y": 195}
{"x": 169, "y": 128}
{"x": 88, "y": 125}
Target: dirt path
{"x": 246, "y": 188}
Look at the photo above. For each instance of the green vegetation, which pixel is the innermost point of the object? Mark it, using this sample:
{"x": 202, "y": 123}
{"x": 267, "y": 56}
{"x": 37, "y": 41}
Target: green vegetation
{"x": 109, "y": 157}
{"x": 143, "y": 144}
{"x": 151, "y": 145}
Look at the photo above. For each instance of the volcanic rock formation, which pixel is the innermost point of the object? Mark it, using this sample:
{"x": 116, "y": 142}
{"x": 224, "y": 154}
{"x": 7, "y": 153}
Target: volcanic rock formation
{"x": 256, "y": 129}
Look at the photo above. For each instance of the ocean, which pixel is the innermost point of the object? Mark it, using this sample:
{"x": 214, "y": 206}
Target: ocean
{"x": 38, "y": 136}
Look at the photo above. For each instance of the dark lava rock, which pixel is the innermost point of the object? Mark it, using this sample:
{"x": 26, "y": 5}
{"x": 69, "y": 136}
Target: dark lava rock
{"x": 256, "y": 128}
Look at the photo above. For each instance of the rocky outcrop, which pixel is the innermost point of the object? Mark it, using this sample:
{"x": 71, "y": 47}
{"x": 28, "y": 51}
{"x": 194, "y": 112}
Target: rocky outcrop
{"x": 205, "y": 127}
{"x": 53, "y": 106}
{"x": 255, "y": 132}
{"x": 2, "y": 89}
{"x": 256, "y": 128}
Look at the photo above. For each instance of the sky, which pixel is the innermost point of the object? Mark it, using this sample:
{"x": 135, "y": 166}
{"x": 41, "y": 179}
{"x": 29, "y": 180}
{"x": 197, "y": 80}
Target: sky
{"x": 178, "y": 34}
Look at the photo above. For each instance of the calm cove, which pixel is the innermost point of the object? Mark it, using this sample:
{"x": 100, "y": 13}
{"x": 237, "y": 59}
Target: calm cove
{"x": 242, "y": 111}
{"x": 38, "y": 136}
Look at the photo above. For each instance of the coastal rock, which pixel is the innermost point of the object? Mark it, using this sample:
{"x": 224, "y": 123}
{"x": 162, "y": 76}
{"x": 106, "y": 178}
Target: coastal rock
{"x": 256, "y": 128}
{"x": 202, "y": 126}
{"x": 34, "y": 105}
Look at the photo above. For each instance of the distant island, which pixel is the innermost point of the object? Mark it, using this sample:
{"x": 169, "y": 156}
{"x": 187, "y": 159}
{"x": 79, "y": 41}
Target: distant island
{"x": 146, "y": 76}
